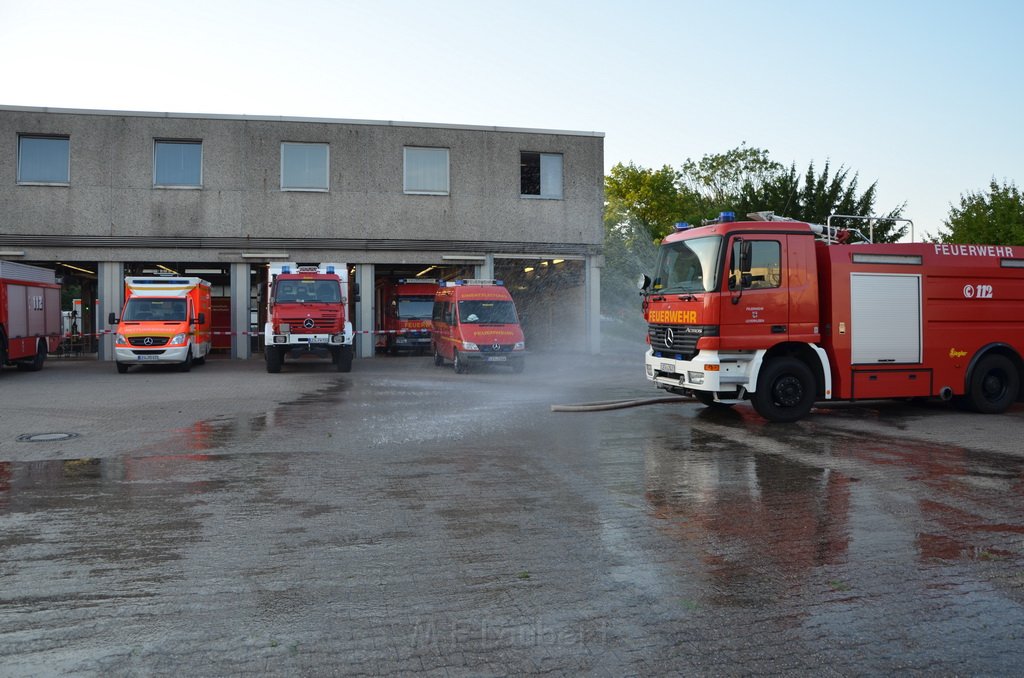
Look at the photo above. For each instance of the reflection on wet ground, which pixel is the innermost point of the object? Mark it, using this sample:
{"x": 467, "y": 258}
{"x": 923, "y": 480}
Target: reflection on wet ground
{"x": 425, "y": 522}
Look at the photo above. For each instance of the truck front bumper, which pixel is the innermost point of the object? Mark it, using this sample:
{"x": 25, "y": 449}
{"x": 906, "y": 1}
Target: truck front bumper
{"x": 707, "y": 371}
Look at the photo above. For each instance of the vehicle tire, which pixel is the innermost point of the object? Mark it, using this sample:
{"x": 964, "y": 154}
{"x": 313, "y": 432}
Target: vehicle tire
{"x": 343, "y": 359}
{"x": 438, "y": 360}
{"x": 187, "y": 365}
{"x": 199, "y": 361}
{"x": 994, "y": 385}
{"x": 458, "y": 363}
{"x": 122, "y": 368}
{"x": 785, "y": 390}
{"x": 707, "y": 399}
{"x": 274, "y": 359}
{"x": 518, "y": 365}
{"x": 37, "y": 361}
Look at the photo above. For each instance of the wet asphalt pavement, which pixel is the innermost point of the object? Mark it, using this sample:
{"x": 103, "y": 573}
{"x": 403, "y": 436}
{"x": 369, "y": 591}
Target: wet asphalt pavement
{"x": 402, "y": 518}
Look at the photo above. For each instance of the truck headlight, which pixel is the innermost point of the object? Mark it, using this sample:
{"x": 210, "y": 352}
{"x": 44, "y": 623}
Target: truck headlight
{"x": 470, "y": 346}
{"x": 695, "y": 377}
{"x": 520, "y": 346}
{"x": 178, "y": 338}
{"x": 285, "y": 328}
{"x": 121, "y": 339}
{"x": 337, "y": 338}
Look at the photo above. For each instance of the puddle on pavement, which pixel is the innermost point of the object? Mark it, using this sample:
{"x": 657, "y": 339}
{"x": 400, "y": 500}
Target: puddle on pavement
{"x": 769, "y": 508}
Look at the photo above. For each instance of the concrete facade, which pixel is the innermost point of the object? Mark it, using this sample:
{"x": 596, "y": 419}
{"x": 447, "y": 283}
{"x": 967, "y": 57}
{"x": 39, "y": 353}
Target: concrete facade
{"x": 109, "y": 210}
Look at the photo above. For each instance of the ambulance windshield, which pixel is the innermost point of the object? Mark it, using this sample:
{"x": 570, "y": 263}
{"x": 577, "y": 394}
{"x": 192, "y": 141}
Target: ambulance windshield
{"x": 415, "y": 308}
{"x": 688, "y": 266}
{"x": 139, "y": 309}
{"x": 487, "y": 312}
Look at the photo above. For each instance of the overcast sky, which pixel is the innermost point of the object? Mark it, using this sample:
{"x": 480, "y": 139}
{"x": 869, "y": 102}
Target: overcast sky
{"x": 924, "y": 97}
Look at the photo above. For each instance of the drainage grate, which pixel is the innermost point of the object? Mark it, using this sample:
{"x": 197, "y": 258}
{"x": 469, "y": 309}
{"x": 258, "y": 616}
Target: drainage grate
{"x": 45, "y": 437}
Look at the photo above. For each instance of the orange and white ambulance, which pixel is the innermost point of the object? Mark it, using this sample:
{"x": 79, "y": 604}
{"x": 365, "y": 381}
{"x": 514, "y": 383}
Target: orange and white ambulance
{"x": 165, "y": 320}
{"x": 474, "y": 322}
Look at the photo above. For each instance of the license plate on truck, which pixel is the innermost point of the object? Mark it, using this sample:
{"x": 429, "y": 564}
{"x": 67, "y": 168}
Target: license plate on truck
{"x": 496, "y": 359}
{"x": 668, "y": 367}
{"x": 318, "y": 340}
{"x": 148, "y": 357}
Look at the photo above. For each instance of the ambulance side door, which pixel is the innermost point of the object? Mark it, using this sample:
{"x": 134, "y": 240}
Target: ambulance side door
{"x": 755, "y": 302}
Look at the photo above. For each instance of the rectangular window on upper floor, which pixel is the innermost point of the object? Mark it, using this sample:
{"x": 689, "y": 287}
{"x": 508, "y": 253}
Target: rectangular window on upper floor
{"x": 177, "y": 163}
{"x": 44, "y": 160}
{"x": 304, "y": 166}
{"x": 426, "y": 170}
{"x": 540, "y": 175}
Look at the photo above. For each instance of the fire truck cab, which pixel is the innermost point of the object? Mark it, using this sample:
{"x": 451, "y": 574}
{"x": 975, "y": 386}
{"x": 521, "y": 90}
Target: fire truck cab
{"x": 784, "y": 314}
{"x": 474, "y": 322}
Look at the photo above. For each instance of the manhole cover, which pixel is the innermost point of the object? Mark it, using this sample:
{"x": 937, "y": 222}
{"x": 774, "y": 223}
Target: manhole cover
{"x": 45, "y": 437}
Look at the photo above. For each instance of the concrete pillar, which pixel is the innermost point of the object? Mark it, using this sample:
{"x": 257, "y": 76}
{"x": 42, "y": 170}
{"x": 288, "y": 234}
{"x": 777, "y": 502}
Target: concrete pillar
{"x": 593, "y": 314}
{"x": 110, "y": 293}
{"x": 485, "y": 271}
{"x": 241, "y": 282}
{"x": 365, "y": 311}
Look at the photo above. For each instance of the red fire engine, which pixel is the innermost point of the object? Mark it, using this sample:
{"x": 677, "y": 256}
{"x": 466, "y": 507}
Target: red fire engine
{"x": 29, "y": 315}
{"x": 403, "y": 314}
{"x": 785, "y": 314}
{"x": 307, "y": 315}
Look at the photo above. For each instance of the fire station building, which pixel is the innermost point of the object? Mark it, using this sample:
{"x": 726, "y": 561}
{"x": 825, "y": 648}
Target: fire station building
{"x": 98, "y": 195}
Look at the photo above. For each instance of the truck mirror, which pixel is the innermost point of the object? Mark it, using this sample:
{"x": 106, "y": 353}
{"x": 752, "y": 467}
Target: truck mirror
{"x": 111, "y": 319}
{"x": 644, "y": 282}
{"x": 746, "y": 255}
{"x": 201, "y": 319}
{"x": 355, "y": 292}
{"x": 746, "y": 280}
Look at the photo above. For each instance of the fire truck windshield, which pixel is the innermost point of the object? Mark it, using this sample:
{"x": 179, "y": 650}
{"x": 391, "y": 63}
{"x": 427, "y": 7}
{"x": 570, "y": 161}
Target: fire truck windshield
{"x": 311, "y": 291}
{"x": 139, "y": 309}
{"x": 415, "y": 308}
{"x": 487, "y": 312}
{"x": 687, "y": 266}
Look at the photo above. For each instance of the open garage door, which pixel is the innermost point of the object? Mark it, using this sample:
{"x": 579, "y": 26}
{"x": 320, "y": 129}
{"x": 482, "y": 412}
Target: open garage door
{"x": 550, "y": 295}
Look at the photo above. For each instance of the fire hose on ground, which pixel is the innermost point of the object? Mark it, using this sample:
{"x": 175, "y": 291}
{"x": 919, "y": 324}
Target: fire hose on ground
{"x": 603, "y": 405}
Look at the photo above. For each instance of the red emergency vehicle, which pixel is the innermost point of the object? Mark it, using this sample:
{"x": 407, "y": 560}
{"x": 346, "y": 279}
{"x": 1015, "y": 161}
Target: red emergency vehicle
{"x": 403, "y": 314}
{"x": 307, "y": 315}
{"x": 475, "y": 323}
{"x": 785, "y": 314}
{"x": 29, "y": 315}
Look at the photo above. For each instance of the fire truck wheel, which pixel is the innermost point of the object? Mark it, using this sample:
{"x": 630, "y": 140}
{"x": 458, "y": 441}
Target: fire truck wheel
{"x": 274, "y": 360}
{"x": 785, "y": 390}
{"x": 438, "y": 360}
{"x": 458, "y": 363}
{"x": 187, "y": 365}
{"x": 343, "y": 359}
{"x": 122, "y": 368}
{"x": 994, "y": 385}
{"x": 707, "y": 399}
{"x": 37, "y": 361}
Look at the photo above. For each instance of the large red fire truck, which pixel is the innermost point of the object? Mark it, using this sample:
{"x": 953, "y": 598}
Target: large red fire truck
{"x": 404, "y": 306}
{"x": 29, "y": 315}
{"x": 307, "y": 315}
{"x": 785, "y": 314}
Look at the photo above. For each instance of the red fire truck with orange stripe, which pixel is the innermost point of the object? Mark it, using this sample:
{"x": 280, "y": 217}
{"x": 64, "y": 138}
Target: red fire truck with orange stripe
{"x": 786, "y": 314}
{"x": 403, "y": 307}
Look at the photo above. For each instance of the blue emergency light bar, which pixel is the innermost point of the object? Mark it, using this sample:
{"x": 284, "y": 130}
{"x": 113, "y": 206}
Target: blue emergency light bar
{"x": 682, "y": 225}
{"x": 330, "y": 269}
{"x": 286, "y": 269}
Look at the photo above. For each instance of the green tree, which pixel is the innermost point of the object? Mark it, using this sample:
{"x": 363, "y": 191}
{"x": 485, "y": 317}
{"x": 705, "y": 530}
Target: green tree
{"x": 719, "y": 179}
{"x": 820, "y": 196}
{"x": 641, "y": 207}
{"x": 645, "y": 199}
{"x": 995, "y": 218}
